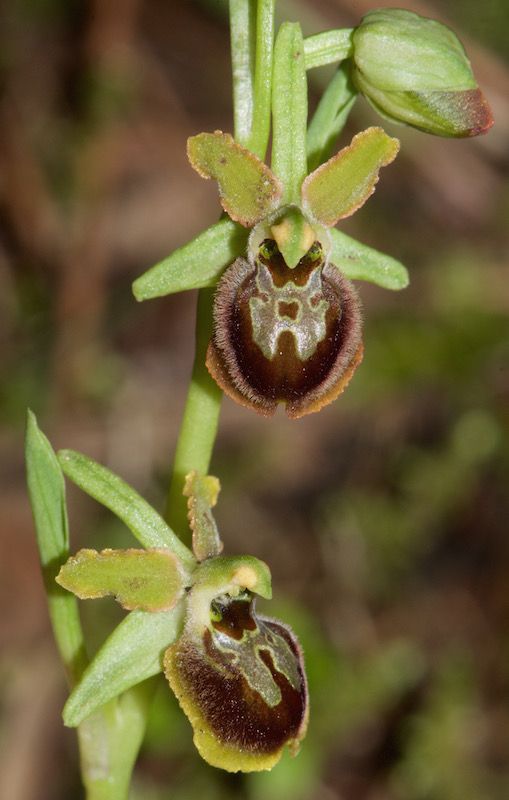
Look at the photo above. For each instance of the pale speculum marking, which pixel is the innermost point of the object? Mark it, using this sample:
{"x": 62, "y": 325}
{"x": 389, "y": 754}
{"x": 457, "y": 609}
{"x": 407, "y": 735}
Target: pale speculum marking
{"x": 300, "y": 310}
{"x": 245, "y": 655}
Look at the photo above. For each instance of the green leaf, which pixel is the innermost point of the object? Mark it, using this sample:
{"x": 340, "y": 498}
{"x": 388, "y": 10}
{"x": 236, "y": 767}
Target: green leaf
{"x": 195, "y": 265}
{"x": 202, "y": 491}
{"x": 344, "y": 183}
{"x": 360, "y": 262}
{"x": 145, "y": 523}
{"x": 47, "y": 496}
{"x": 330, "y": 116}
{"x": 289, "y": 111}
{"x": 147, "y": 580}
{"x": 328, "y": 47}
{"x": 132, "y": 653}
{"x": 247, "y": 188}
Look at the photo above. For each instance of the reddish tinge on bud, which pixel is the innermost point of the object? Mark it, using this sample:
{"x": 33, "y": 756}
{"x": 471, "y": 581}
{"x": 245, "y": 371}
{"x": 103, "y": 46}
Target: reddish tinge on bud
{"x": 284, "y": 336}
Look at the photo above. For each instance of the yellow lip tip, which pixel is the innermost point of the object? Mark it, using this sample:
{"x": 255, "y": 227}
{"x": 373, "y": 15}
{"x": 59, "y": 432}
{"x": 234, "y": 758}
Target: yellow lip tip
{"x": 246, "y": 577}
{"x": 284, "y": 235}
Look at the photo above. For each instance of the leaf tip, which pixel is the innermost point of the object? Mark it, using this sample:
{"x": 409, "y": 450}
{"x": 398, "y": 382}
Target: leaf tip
{"x": 137, "y": 290}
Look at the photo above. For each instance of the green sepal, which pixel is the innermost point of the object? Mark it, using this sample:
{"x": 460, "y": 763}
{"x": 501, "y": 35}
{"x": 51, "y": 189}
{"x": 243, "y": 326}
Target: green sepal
{"x": 289, "y": 111}
{"x": 146, "y": 580}
{"x": 196, "y": 265}
{"x": 343, "y": 184}
{"x": 202, "y": 491}
{"x": 107, "y": 488}
{"x": 247, "y": 188}
{"x": 452, "y": 114}
{"x": 46, "y": 489}
{"x": 132, "y": 653}
{"x": 359, "y": 262}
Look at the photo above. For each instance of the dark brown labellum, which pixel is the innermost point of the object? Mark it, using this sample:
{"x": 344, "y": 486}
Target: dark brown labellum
{"x": 284, "y": 336}
{"x": 241, "y": 682}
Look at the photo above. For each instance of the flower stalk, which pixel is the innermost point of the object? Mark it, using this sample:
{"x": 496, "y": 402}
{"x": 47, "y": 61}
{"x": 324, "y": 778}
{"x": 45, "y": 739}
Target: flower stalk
{"x": 199, "y": 423}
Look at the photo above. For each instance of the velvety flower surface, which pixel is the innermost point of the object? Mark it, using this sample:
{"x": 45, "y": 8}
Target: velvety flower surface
{"x": 240, "y": 679}
{"x": 285, "y": 336}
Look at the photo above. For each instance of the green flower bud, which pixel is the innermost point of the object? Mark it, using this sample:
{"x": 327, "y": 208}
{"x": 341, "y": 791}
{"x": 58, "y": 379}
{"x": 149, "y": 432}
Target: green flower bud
{"x": 415, "y": 71}
{"x": 239, "y": 677}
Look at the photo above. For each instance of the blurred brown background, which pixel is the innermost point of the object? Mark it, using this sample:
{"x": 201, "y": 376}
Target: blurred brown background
{"x": 383, "y": 518}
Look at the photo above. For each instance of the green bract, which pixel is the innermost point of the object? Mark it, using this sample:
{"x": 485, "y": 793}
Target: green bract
{"x": 415, "y": 71}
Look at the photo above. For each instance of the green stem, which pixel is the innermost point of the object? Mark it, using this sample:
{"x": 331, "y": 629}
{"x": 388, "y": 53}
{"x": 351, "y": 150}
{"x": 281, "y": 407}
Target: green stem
{"x": 328, "y": 47}
{"x": 252, "y": 37}
{"x": 109, "y": 743}
{"x": 199, "y": 423}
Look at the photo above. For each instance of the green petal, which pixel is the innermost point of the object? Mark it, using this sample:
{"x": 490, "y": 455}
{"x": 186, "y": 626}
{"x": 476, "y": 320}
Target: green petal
{"x": 202, "y": 491}
{"x": 343, "y": 184}
{"x": 247, "y": 188}
{"x": 132, "y": 653}
{"x": 195, "y": 265}
{"x": 147, "y": 580}
{"x": 145, "y": 523}
{"x": 359, "y": 262}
